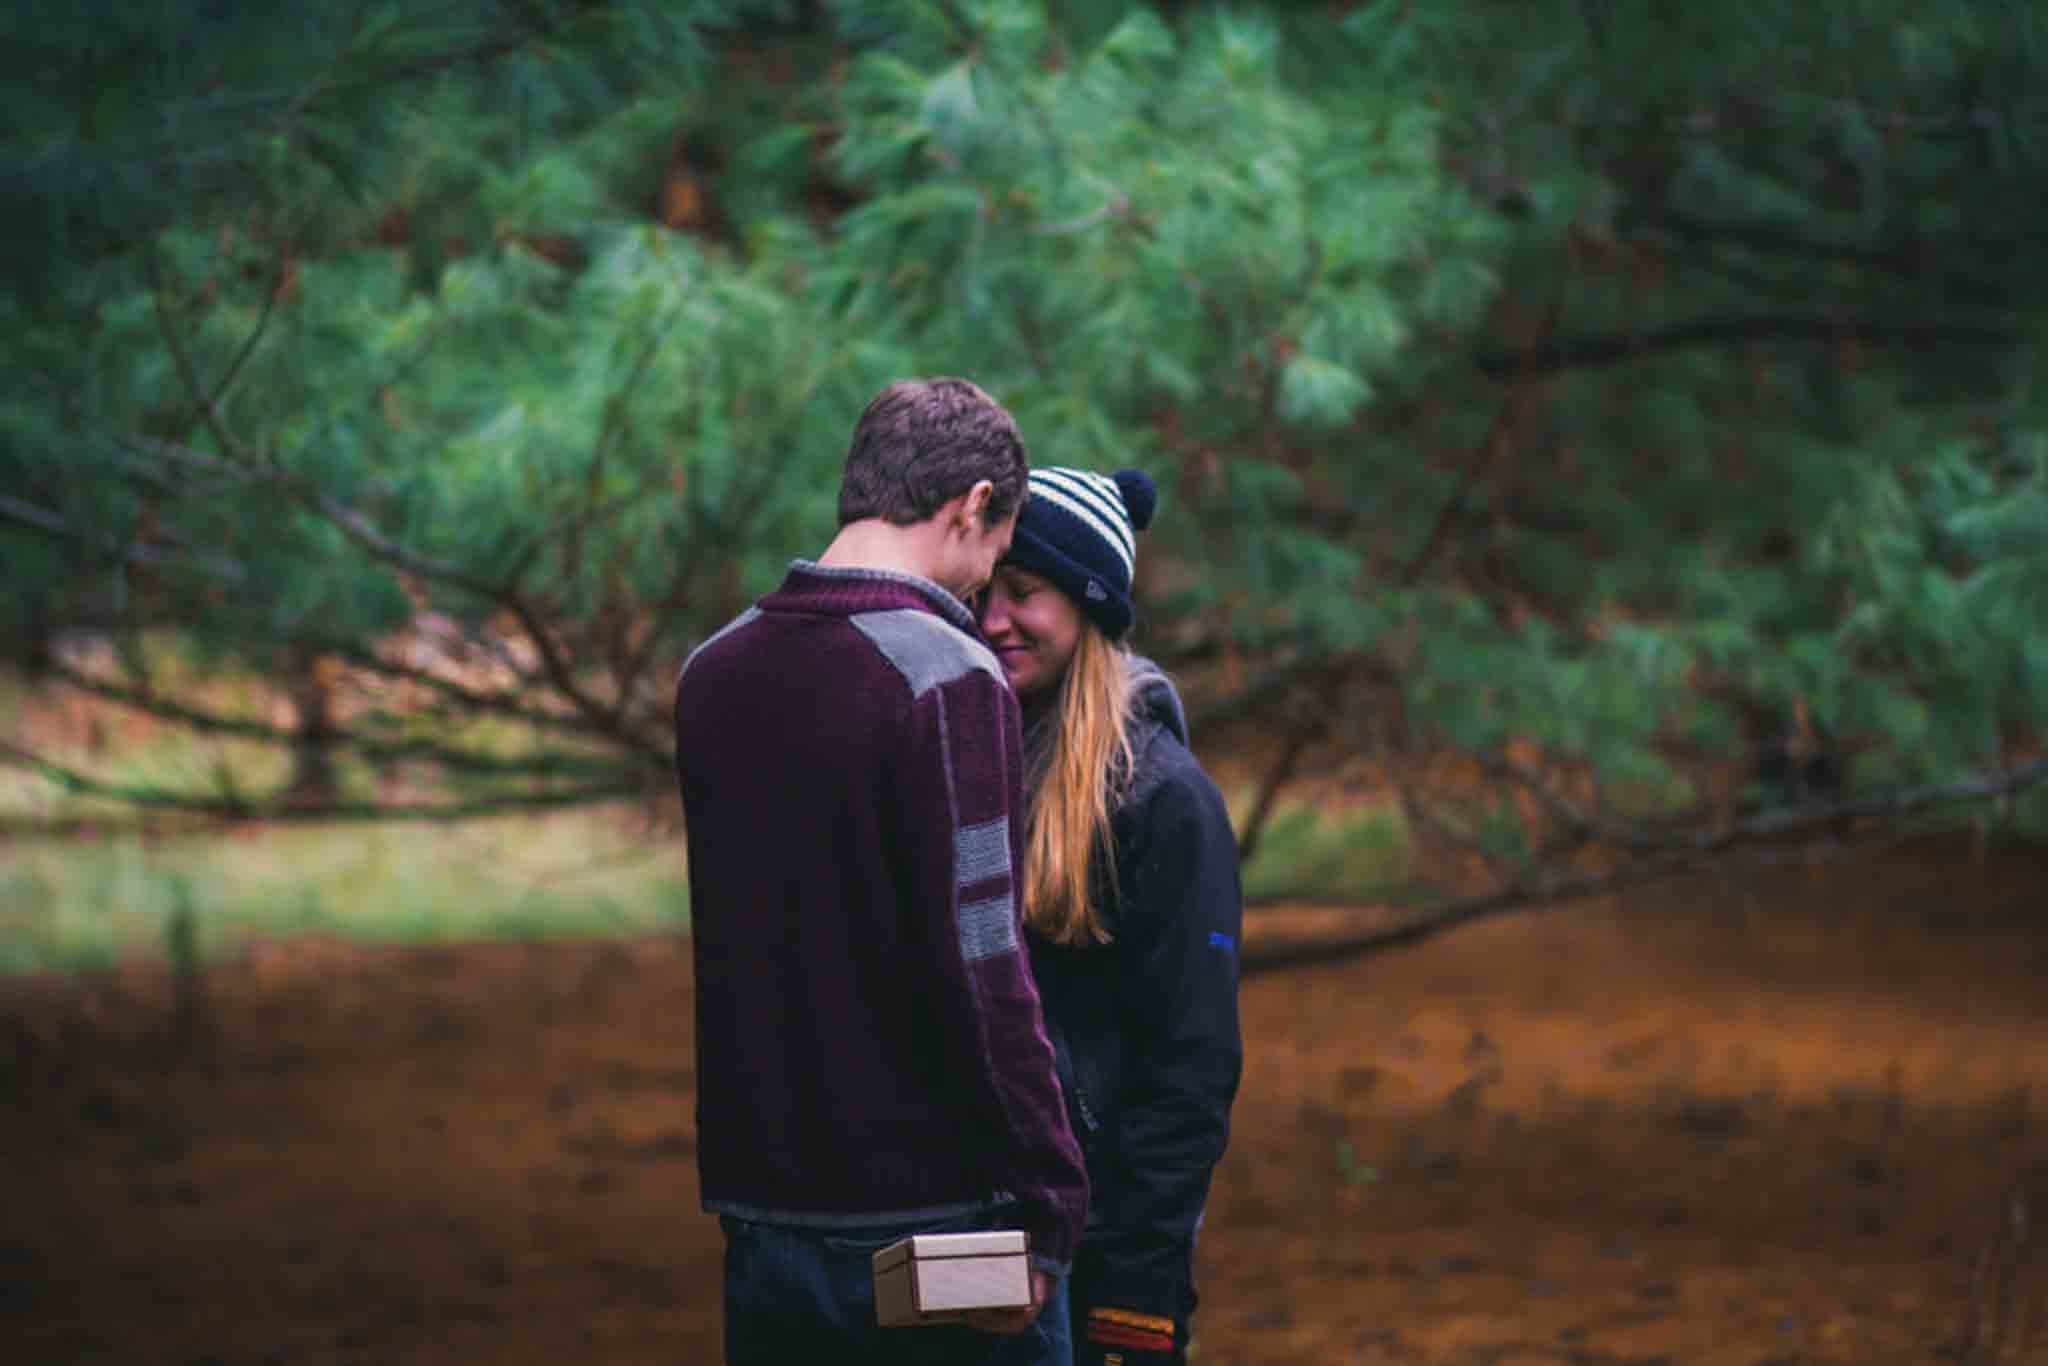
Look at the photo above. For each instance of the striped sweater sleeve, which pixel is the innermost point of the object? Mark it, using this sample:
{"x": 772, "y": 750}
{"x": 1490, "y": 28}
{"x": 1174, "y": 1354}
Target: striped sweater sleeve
{"x": 960, "y": 813}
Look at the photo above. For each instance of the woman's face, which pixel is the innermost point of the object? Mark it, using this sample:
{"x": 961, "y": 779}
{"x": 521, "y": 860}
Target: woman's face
{"x": 1033, "y": 628}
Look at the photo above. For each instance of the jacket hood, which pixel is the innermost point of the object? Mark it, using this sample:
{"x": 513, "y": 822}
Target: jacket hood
{"x": 1155, "y": 707}
{"x": 1155, "y": 704}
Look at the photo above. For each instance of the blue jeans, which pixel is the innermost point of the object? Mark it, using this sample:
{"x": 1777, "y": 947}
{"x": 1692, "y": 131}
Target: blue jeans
{"x": 800, "y": 1295}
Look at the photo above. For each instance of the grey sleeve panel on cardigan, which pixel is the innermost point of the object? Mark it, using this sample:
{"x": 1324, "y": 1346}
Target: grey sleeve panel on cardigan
{"x": 929, "y": 653}
{"x": 986, "y": 924}
{"x": 988, "y": 927}
{"x": 982, "y": 852}
{"x": 927, "y": 650}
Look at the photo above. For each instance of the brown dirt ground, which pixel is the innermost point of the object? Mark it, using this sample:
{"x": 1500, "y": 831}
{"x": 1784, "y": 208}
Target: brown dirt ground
{"x": 1725, "y": 1122}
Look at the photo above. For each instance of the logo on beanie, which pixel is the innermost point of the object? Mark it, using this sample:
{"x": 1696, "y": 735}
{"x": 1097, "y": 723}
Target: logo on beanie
{"x": 1097, "y": 592}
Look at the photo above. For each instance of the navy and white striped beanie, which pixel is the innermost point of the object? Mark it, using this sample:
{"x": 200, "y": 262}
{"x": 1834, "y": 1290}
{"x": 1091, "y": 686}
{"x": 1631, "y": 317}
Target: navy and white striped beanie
{"x": 1078, "y": 529}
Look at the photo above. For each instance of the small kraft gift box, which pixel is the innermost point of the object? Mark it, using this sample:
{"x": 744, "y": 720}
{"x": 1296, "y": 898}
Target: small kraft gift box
{"x": 937, "y": 1277}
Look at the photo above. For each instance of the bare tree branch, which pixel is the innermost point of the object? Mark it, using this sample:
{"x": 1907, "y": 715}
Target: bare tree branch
{"x": 1266, "y": 690}
{"x": 1269, "y": 791}
{"x": 1574, "y": 817}
{"x": 365, "y": 534}
{"x": 453, "y": 758}
{"x": 1585, "y": 352}
{"x": 474, "y": 700}
{"x": 357, "y": 527}
{"x": 1906, "y": 260}
{"x": 43, "y": 520}
{"x": 1512, "y": 873}
{"x": 1491, "y": 453}
{"x": 235, "y": 808}
{"x": 226, "y": 383}
{"x": 1687, "y": 855}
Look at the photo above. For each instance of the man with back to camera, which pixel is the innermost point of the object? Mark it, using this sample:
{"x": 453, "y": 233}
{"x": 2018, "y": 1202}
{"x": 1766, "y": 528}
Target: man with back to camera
{"x": 871, "y": 1057}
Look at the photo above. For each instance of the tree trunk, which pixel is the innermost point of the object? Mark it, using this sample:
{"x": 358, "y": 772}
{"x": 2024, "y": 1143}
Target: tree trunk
{"x": 314, "y": 781}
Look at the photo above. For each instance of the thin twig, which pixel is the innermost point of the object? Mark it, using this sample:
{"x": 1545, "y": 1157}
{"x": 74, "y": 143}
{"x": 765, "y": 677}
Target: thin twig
{"x": 1116, "y": 206}
{"x": 188, "y": 373}
{"x": 249, "y": 344}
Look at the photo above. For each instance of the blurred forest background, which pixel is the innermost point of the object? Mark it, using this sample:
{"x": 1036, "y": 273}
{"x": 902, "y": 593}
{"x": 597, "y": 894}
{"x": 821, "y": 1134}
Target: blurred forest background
{"x": 1604, "y": 462}
{"x": 1600, "y": 438}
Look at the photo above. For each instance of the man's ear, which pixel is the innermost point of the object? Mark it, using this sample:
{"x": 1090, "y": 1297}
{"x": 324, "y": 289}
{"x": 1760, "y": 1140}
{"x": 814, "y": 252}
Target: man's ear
{"x": 974, "y": 503}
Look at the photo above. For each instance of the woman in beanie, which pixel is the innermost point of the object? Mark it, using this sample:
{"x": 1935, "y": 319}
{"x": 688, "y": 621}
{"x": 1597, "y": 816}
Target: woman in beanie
{"x": 1131, "y": 903}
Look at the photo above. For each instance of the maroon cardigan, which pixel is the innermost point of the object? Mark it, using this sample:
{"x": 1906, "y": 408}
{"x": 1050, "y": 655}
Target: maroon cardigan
{"x": 870, "y": 1048}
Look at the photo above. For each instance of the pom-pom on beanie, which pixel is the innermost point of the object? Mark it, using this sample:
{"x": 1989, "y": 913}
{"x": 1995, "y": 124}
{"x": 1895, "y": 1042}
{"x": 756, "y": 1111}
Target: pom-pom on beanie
{"x": 1077, "y": 529}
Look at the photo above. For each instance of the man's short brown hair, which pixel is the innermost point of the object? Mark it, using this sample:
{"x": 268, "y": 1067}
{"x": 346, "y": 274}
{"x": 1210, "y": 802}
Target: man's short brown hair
{"x": 922, "y": 443}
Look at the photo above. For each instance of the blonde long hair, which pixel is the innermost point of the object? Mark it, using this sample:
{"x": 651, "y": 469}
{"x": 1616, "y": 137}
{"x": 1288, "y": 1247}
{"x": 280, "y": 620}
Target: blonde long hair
{"x": 1076, "y": 776}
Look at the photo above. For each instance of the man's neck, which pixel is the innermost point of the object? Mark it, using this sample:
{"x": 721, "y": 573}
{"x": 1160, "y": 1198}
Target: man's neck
{"x": 876, "y": 544}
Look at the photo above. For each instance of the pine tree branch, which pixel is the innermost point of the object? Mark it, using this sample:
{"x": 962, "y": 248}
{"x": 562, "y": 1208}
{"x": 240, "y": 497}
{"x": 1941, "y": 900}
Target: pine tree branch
{"x": 769, "y": 476}
{"x": 450, "y": 757}
{"x": 1581, "y": 823}
{"x": 1904, "y": 261}
{"x": 135, "y": 552}
{"x": 347, "y": 520}
{"x": 235, "y": 808}
{"x": 1116, "y": 206}
{"x": 612, "y": 430}
{"x": 1687, "y": 855}
{"x": 365, "y": 534}
{"x": 1265, "y": 691}
{"x": 474, "y": 700}
{"x": 1587, "y": 352}
{"x": 484, "y": 51}
{"x": 1446, "y": 916}
{"x": 624, "y": 669}
{"x": 1492, "y": 450}
{"x": 1512, "y": 873}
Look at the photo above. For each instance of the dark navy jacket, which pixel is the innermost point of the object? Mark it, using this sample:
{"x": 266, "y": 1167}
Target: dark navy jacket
{"x": 1145, "y": 1027}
